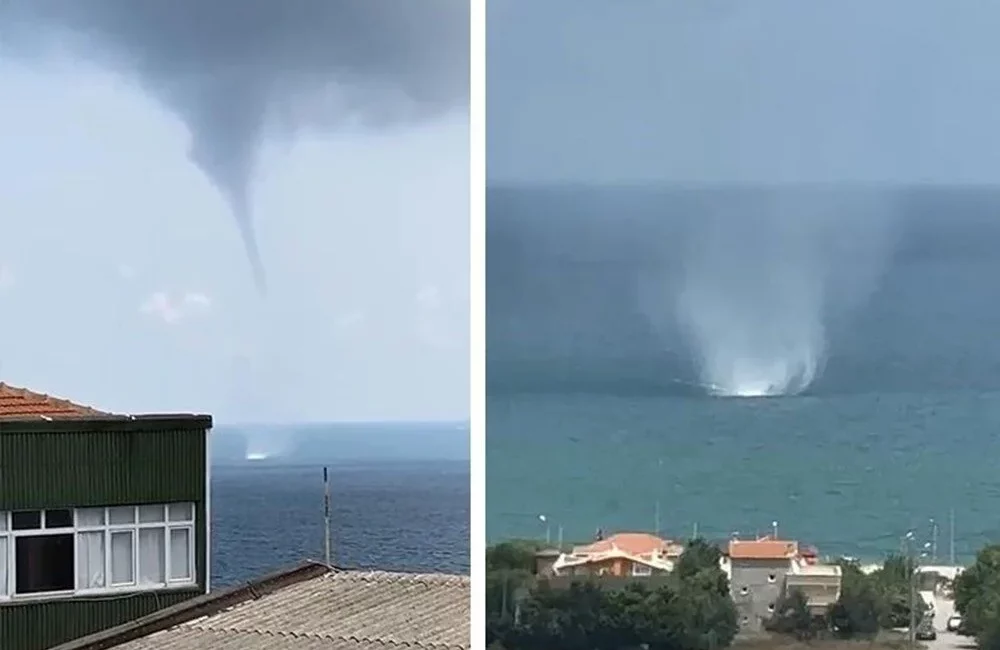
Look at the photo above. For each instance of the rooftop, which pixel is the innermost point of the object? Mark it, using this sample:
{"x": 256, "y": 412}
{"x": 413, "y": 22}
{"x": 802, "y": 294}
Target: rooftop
{"x": 631, "y": 543}
{"x": 764, "y": 548}
{"x": 311, "y": 607}
{"x": 23, "y": 404}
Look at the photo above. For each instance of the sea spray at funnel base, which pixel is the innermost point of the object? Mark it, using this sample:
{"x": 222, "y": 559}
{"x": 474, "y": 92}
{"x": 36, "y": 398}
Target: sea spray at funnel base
{"x": 756, "y": 294}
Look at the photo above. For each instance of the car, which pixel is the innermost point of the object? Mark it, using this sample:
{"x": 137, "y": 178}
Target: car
{"x": 954, "y": 622}
{"x": 926, "y": 634}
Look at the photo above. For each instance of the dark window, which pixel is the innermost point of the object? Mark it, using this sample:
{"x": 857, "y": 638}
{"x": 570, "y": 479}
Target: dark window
{"x": 59, "y": 518}
{"x": 26, "y": 520}
{"x": 44, "y": 563}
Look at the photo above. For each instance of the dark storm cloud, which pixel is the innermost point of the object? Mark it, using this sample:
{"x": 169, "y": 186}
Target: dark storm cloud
{"x": 234, "y": 69}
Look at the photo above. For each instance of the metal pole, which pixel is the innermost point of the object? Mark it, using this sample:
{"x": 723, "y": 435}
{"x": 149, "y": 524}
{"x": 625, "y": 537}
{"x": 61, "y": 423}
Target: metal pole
{"x": 548, "y": 534}
{"x": 656, "y": 520}
{"x": 326, "y": 516}
{"x": 911, "y": 636}
{"x": 560, "y": 538}
{"x": 934, "y": 536}
{"x": 952, "y": 542}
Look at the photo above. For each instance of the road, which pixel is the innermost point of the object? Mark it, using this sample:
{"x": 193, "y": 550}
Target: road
{"x": 947, "y": 640}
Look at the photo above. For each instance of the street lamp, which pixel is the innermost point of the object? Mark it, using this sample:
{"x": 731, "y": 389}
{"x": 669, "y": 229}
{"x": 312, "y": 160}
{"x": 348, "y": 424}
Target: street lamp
{"x": 548, "y": 529}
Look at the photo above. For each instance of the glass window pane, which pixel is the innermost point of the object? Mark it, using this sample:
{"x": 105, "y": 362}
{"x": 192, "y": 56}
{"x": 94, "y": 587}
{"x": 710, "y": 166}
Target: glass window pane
{"x": 61, "y": 518}
{"x": 150, "y": 514}
{"x": 90, "y": 560}
{"x": 26, "y": 520}
{"x": 3, "y": 522}
{"x": 121, "y": 558}
{"x": 180, "y": 554}
{"x": 181, "y": 512}
{"x": 3, "y": 565}
{"x": 90, "y": 517}
{"x": 123, "y": 515}
{"x": 152, "y": 556}
{"x": 44, "y": 563}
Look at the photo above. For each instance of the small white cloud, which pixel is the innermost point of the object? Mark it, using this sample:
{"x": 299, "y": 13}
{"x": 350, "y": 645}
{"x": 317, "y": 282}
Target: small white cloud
{"x": 197, "y": 300}
{"x": 126, "y": 272}
{"x": 169, "y": 310}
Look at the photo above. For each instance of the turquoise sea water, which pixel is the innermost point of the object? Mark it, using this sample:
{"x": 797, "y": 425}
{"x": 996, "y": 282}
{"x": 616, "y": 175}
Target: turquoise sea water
{"x": 588, "y": 424}
{"x": 399, "y": 497}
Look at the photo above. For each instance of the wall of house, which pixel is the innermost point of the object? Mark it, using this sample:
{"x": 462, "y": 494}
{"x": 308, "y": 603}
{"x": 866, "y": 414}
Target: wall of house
{"x": 820, "y": 591}
{"x": 96, "y": 464}
{"x": 756, "y": 586}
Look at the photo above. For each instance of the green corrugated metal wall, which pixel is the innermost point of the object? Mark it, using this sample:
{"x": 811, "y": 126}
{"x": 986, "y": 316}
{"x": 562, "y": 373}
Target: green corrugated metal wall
{"x": 96, "y": 468}
{"x": 46, "y": 624}
{"x": 42, "y": 470}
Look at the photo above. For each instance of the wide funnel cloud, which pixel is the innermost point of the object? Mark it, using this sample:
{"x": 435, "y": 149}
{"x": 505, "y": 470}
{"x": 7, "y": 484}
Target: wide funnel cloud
{"x": 236, "y": 71}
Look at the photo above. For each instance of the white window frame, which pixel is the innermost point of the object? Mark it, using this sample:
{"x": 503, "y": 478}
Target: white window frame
{"x": 107, "y": 529}
{"x": 639, "y": 569}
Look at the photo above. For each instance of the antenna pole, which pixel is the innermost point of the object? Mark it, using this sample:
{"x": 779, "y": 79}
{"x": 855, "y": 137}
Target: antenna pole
{"x": 326, "y": 516}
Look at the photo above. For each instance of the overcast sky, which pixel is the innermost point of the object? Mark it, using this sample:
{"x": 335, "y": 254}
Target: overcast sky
{"x": 124, "y": 283}
{"x": 899, "y": 91}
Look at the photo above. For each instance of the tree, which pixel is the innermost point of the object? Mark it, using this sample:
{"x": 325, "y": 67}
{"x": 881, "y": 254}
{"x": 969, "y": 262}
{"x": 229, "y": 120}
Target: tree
{"x": 580, "y": 617}
{"x": 857, "y": 612}
{"x": 699, "y": 564}
{"x": 702, "y": 606}
{"x": 977, "y": 597}
{"x": 893, "y": 583}
{"x": 792, "y": 616}
{"x": 509, "y": 571}
{"x": 678, "y": 614}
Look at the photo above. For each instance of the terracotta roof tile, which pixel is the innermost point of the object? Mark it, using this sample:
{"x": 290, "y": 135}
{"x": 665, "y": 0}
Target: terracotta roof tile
{"x": 762, "y": 549}
{"x": 340, "y": 610}
{"x": 631, "y": 543}
{"x": 23, "y": 404}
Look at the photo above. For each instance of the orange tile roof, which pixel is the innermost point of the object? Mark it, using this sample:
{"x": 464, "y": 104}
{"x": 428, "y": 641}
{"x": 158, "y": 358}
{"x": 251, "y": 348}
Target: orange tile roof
{"x": 632, "y": 543}
{"x": 23, "y": 404}
{"x": 762, "y": 549}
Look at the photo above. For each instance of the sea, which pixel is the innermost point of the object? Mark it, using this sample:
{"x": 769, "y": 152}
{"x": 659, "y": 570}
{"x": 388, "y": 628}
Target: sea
{"x": 616, "y": 316}
{"x": 399, "y": 498}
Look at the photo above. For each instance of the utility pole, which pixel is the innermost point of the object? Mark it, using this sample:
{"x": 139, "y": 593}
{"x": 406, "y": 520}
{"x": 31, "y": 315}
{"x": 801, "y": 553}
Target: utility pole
{"x": 911, "y": 632}
{"x": 951, "y": 554}
{"x": 934, "y": 537}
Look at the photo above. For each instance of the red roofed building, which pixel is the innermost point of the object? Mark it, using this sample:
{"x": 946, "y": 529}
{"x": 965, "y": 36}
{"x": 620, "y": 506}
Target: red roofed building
{"x": 20, "y": 403}
{"x": 620, "y": 555}
{"x": 762, "y": 570}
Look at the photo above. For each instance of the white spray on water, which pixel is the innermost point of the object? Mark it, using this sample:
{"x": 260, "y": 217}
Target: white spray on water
{"x": 757, "y": 292}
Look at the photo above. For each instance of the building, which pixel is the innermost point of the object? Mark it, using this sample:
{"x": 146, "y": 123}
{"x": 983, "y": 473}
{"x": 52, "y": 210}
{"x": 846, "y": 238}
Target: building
{"x": 310, "y": 607}
{"x": 757, "y": 570}
{"x": 762, "y": 571}
{"x": 819, "y": 583}
{"x": 620, "y": 555}
{"x": 103, "y": 517}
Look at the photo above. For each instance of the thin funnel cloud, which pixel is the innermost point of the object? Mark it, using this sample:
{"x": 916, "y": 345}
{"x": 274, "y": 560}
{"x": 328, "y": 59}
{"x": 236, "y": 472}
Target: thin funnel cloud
{"x": 238, "y": 72}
